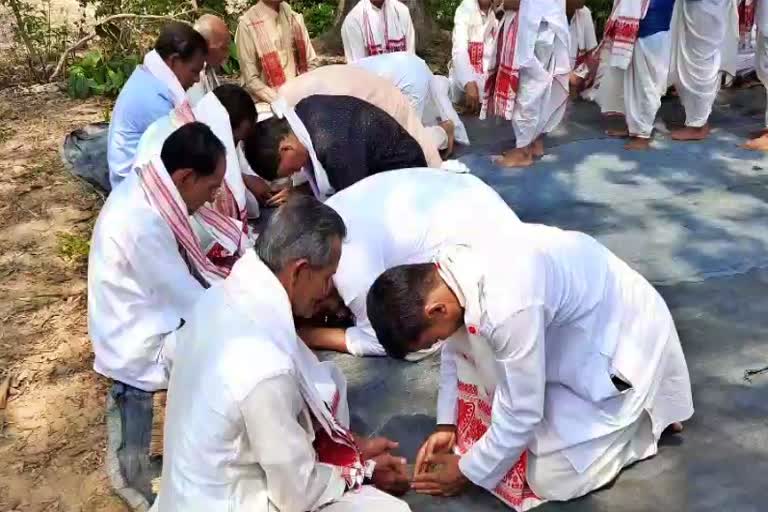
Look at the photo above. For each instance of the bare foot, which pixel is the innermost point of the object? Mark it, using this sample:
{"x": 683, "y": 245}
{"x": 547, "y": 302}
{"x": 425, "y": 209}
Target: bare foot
{"x": 758, "y": 144}
{"x": 537, "y": 148}
{"x": 450, "y": 130}
{"x": 691, "y": 133}
{"x": 637, "y": 144}
{"x": 758, "y": 133}
{"x": 674, "y": 428}
{"x": 519, "y": 157}
{"x": 619, "y": 133}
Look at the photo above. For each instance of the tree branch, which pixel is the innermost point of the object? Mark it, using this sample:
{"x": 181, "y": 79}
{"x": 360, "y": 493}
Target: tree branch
{"x": 108, "y": 19}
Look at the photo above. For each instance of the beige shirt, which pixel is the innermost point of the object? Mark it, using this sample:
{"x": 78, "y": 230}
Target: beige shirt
{"x": 253, "y": 76}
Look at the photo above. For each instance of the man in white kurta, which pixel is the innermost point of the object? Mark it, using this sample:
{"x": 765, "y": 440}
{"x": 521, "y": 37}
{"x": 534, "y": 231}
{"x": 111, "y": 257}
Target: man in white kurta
{"x": 473, "y": 46}
{"x": 254, "y": 421}
{"x": 428, "y": 94}
{"x": 704, "y": 46}
{"x": 441, "y": 208}
{"x": 216, "y": 34}
{"x": 583, "y": 42}
{"x": 374, "y": 27}
{"x": 634, "y": 66}
{"x": 529, "y": 83}
{"x": 563, "y": 364}
{"x": 145, "y": 268}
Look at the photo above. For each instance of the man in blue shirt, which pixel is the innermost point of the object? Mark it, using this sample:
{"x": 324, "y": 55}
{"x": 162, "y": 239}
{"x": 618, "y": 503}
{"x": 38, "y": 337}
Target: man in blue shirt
{"x": 154, "y": 88}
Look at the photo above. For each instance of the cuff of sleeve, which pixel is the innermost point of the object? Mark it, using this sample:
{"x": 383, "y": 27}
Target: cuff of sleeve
{"x": 359, "y": 344}
{"x": 446, "y": 413}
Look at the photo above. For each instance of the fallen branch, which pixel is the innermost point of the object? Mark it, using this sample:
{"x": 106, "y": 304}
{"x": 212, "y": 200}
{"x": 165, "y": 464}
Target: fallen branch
{"x": 79, "y": 44}
{"x": 748, "y": 374}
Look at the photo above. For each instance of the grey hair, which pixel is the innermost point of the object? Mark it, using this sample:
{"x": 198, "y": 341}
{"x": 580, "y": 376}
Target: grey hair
{"x": 303, "y": 228}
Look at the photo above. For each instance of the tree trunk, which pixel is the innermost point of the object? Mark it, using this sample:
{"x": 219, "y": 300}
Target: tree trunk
{"x": 423, "y": 24}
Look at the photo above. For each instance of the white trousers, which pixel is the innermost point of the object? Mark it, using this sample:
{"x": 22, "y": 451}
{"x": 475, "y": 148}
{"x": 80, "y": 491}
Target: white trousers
{"x": 553, "y": 477}
{"x": 636, "y": 92}
{"x": 543, "y": 91}
{"x": 761, "y": 63}
{"x": 367, "y": 499}
{"x": 698, "y": 36}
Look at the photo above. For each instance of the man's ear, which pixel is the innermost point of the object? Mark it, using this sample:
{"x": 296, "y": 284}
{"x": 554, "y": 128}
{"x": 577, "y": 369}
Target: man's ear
{"x": 172, "y": 60}
{"x": 181, "y": 177}
{"x": 435, "y": 310}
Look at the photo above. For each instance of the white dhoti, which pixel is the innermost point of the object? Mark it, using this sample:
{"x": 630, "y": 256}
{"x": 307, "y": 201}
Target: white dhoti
{"x": 636, "y": 92}
{"x": 704, "y": 41}
{"x": 761, "y": 63}
{"x": 543, "y": 92}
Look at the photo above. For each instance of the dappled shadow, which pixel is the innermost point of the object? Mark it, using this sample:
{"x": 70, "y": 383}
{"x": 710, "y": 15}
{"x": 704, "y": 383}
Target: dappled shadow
{"x": 689, "y": 216}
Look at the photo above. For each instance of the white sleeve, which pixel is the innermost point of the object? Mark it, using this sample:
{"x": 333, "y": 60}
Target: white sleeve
{"x": 295, "y": 481}
{"x": 158, "y": 264}
{"x": 361, "y": 339}
{"x": 448, "y": 391}
{"x": 462, "y": 67}
{"x": 518, "y": 403}
{"x": 352, "y": 37}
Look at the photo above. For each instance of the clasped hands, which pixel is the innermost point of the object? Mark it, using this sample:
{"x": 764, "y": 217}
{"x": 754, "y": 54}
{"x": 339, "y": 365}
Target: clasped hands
{"x": 436, "y": 471}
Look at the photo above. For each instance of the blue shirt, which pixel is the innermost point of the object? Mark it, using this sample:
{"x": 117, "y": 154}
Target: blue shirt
{"x": 657, "y": 19}
{"x": 143, "y": 100}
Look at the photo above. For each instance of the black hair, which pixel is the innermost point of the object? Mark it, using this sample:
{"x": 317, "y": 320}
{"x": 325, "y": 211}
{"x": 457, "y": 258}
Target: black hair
{"x": 262, "y": 147}
{"x": 302, "y": 228}
{"x": 238, "y": 103}
{"x": 193, "y": 146}
{"x": 180, "y": 39}
{"x": 395, "y": 306}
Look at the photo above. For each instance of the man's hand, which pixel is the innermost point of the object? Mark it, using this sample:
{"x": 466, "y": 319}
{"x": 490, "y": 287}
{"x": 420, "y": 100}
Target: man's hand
{"x": 372, "y": 447}
{"x": 441, "y": 441}
{"x": 446, "y": 479}
{"x": 258, "y": 187}
{"x": 391, "y": 474}
{"x": 280, "y": 197}
{"x": 576, "y": 84}
{"x": 472, "y": 98}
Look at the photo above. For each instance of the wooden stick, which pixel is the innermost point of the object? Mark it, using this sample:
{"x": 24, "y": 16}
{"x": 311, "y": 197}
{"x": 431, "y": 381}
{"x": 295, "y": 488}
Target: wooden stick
{"x": 114, "y": 17}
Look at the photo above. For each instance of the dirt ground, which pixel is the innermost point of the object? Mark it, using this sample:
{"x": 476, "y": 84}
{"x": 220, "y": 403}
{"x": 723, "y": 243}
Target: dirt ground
{"x": 53, "y": 442}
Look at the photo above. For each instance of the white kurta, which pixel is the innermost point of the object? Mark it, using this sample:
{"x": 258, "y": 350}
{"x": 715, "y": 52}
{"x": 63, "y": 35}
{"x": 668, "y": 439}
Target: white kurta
{"x": 238, "y": 431}
{"x": 438, "y": 208}
{"x": 559, "y": 315}
{"x": 473, "y": 31}
{"x": 636, "y": 92}
{"x": 353, "y": 28}
{"x": 139, "y": 289}
{"x": 428, "y": 96}
{"x": 583, "y": 37}
{"x": 761, "y": 50}
{"x": 704, "y": 42}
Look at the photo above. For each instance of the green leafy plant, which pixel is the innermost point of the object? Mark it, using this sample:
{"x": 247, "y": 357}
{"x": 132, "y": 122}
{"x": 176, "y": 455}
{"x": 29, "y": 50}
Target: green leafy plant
{"x": 232, "y": 65}
{"x": 73, "y": 248}
{"x": 95, "y": 75}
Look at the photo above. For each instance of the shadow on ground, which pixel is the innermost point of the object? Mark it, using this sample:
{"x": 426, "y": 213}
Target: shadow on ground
{"x": 689, "y": 216}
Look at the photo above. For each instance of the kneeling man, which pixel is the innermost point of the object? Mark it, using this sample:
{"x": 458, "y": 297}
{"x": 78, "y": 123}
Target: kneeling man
{"x": 563, "y": 364}
{"x": 254, "y": 421}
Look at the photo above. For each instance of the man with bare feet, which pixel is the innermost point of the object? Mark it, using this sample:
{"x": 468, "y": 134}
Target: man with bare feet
{"x": 634, "y": 66}
{"x": 758, "y": 10}
{"x": 704, "y": 43}
{"x": 529, "y": 84}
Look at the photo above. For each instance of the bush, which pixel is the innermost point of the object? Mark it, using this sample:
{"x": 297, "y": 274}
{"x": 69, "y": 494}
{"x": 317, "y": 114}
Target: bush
{"x": 319, "y": 15}
{"x": 94, "y": 75}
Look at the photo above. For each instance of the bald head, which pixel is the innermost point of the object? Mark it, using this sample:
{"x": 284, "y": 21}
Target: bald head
{"x": 216, "y": 34}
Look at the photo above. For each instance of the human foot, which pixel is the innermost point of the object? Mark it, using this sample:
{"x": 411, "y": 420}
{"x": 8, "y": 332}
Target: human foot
{"x": 691, "y": 133}
{"x": 758, "y": 144}
{"x": 637, "y": 144}
{"x": 537, "y": 148}
{"x": 519, "y": 157}
{"x": 619, "y": 133}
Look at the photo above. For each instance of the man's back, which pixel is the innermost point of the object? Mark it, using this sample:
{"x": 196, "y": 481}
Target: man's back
{"x": 405, "y": 216}
{"x": 142, "y": 100}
